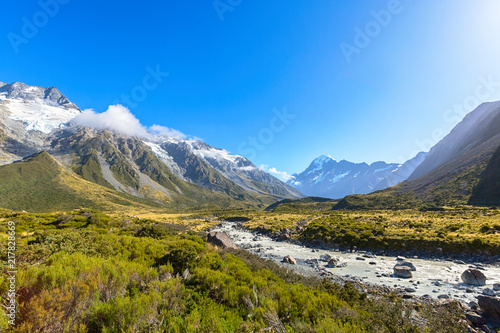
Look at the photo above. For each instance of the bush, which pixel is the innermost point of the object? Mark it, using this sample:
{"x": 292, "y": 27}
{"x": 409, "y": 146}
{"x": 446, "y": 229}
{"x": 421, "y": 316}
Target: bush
{"x": 182, "y": 255}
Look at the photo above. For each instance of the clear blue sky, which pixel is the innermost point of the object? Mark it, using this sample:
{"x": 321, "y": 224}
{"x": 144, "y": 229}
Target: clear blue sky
{"x": 227, "y": 76}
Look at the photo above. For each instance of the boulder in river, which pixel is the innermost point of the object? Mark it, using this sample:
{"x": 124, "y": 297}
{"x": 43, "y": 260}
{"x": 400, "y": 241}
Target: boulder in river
{"x": 325, "y": 257}
{"x": 290, "y": 260}
{"x": 473, "y": 277}
{"x": 496, "y": 286}
{"x": 488, "y": 292}
{"x": 407, "y": 264}
{"x": 221, "y": 239}
{"x": 490, "y": 306}
{"x": 333, "y": 262}
{"x": 402, "y": 272}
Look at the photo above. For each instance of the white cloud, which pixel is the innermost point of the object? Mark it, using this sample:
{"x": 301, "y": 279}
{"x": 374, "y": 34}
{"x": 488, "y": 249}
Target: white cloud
{"x": 119, "y": 119}
{"x": 247, "y": 168}
{"x": 282, "y": 175}
{"x": 166, "y": 131}
{"x": 116, "y": 118}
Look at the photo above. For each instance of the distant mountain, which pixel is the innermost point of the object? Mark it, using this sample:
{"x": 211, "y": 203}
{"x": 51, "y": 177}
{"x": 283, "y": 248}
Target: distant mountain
{"x": 402, "y": 173}
{"x": 164, "y": 170}
{"x": 462, "y": 168}
{"x": 326, "y": 177}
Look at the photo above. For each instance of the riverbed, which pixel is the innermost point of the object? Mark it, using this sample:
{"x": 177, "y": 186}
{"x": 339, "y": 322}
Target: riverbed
{"x": 434, "y": 278}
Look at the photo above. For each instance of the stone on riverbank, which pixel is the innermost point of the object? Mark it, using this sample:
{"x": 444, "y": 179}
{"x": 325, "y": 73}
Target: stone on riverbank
{"x": 490, "y": 306}
{"x": 407, "y": 264}
{"x": 221, "y": 239}
{"x": 290, "y": 260}
{"x": 325, "y": 257}
{"x": 473, "y": 277}
{"x": 332, "y": 263}
{"x": 402, "y": 272}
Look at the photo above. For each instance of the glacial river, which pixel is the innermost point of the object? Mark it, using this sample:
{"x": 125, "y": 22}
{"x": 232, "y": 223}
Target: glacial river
{"x": 436, "y": 278}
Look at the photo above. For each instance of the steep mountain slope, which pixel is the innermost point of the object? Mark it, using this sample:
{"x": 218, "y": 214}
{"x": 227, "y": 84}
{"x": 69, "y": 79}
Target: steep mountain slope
{"x": 28, "y": 115}
{"x": 487, "y": 191}
{"x": 479, "y": 126}
{"x": 163, "y": 170}
{"x": 325, "y": 177}
{"x": 40, "y": 183}
{"x": 464, "y": 163}
{"x": 235, "y": 168}
{"x": 130, "y": 166}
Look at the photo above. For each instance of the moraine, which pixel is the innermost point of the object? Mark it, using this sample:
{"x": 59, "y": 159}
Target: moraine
{"x": 435, "y": 278}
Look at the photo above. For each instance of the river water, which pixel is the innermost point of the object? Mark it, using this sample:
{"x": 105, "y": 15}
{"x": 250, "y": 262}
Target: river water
{"x": 436, "y": 278}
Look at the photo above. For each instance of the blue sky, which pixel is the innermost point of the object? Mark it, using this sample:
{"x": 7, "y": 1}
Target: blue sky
{"x": 359, "y": 80}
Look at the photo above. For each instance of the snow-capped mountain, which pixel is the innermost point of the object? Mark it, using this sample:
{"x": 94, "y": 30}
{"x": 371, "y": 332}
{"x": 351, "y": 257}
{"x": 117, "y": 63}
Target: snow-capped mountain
{"x": 28, "y": 115}
{"x": 34, "y": 119}
{"x": 326, "y": 177}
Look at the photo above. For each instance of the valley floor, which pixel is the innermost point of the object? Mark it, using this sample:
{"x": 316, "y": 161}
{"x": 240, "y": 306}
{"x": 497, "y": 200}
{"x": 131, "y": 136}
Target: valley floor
{"x": 153, "y": 271}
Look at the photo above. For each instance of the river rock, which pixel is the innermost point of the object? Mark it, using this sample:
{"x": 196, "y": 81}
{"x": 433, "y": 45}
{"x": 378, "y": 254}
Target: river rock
{"x": 325, "y": 257}
{"x": 490, "y": 306}
{"x": 488, "y": 292}
{"x": 475, "y": 319}
{"x": 473, "y": 277}
{"x": 407, "y": 264}
{"x": 402, "y": 272}
{"x": 290, "y": 260}
{"x": 496, "y": 286}
{"x": 221, "y": 239}
{"x": 333, "y": 262}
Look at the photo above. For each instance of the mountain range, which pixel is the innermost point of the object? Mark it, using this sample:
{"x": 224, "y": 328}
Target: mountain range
{"x": 326, "y": 177}
{"x": 463, "y": 168}
{"x": 50, "y": 158}
{"x": 39, "y": 131}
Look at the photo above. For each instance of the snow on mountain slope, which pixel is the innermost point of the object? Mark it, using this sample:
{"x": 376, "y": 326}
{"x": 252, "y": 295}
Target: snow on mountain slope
{"x": 326, "y": 177}
{"x": 181, "y": 156}
{"x": 35, "y": 118}
{"x": 37, "y": 115}
{"x": 37, "y": 108}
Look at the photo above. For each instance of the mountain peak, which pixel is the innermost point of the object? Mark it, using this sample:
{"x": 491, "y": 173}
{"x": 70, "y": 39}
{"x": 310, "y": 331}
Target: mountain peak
{"x": 22, "y": 91}
{"x": 322, "y": 159}
{"x": 36, "y": 108}
{"x": 325, "y": 177}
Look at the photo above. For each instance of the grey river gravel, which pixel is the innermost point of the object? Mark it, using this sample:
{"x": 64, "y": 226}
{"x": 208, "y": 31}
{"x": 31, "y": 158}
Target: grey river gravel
{"x": 436, "y": 278}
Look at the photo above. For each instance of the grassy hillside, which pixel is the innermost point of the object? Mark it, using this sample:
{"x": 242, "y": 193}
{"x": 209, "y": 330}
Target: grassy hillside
{"x": 454, "y": 230}
{"x": 39, "y": 183}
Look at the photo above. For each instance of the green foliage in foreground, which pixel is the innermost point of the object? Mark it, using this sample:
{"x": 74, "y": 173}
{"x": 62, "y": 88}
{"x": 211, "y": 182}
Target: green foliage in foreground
{"x": 76, "y": 274}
